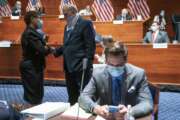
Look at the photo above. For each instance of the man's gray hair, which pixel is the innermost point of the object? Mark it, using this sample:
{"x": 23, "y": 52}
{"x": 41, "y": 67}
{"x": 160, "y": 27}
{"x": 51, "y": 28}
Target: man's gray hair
{"x": 71, "y": 8}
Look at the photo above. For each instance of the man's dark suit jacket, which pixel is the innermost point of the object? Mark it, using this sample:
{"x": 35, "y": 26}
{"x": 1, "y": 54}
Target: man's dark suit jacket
{"x": 128, "y": 17}
{"x": 79, "y": 44}
{"x": 14, "y": 12}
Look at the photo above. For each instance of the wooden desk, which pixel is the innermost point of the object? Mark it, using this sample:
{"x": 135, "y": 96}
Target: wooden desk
{"x": 131, "y": 31}
{"x": 128, "y": 32}
{"x": 161, "y": 65}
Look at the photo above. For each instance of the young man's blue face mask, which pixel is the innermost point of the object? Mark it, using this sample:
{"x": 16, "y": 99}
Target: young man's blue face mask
{"x": 115, "y": 71}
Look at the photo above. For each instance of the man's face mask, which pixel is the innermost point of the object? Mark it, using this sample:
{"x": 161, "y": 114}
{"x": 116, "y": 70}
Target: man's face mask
{"x": 124, "y": 13}
{"x": 154, "y": 28}
{"x": 115, "y": 71}
{"x": 70, "y": 18}
{"x": 162, "y": 13}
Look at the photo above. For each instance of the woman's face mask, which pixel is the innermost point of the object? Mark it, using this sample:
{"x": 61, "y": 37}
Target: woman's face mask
{"x": 115, "y": 71}
{"x": 39, "y": 24}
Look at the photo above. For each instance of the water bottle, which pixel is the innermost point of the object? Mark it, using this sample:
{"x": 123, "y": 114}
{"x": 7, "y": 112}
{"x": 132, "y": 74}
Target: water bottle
{"x": 128, "y": 115}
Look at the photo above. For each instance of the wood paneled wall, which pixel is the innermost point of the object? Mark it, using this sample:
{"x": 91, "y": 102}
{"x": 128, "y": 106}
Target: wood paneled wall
{"x": 170, "y": 6}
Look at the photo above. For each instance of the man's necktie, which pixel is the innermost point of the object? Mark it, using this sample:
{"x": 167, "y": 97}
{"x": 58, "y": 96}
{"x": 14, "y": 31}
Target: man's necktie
{"x": 153, "y": 37}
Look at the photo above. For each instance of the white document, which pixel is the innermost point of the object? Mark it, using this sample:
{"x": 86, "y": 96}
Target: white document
{"x": 99, "y": 118}
{"x": 46, "y": 110}
{"x": 98, "y": 65}
{"x": 117, "y": 22}
{"x": 5, "y": 43}
{"x": 73, "y": 112}
{"x": 15, "y": 17}
{"x": 160, "y": 45}
{"x": 61, "y": 17}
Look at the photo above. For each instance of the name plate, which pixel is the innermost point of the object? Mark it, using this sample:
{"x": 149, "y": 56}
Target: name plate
{"x": 15, "y": 17}
{"x": 61, "y": 17}
{"x": 160, "y": 45}
{"x": 117, "y": 22}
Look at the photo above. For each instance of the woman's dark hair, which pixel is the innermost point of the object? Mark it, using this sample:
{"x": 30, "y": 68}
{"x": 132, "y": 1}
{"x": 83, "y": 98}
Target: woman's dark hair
{"x": 29, "y": 17}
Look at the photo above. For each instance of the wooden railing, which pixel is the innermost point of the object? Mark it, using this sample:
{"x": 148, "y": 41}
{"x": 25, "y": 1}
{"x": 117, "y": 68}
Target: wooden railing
{"x": 161, "y": 65}
{"x": 129, "y": 32}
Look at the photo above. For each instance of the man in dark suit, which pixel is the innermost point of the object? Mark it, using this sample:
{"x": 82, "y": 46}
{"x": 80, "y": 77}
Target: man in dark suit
{"x": 119, "y": 84}
{"x": 155, "y": 35}
{"x": 124, "y": 15}
{"x": 79, "y": 44}
{"x": 16, "y": 11}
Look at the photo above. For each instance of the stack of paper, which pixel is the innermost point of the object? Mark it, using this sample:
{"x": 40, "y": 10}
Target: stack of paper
{"x": 15, "y": 17}
{"x": 46, "y": 110}
{"x": 5, "y": 43}
{"x": 160, "y": 45}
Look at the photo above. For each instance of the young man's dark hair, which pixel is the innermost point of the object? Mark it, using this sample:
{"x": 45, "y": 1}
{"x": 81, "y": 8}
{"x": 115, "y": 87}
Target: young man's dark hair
{"x": 117, "y": 48}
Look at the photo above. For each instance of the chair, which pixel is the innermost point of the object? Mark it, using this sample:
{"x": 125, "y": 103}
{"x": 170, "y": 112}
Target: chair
{"x": 154, "y": 89}
{"x": 176, "y": 26}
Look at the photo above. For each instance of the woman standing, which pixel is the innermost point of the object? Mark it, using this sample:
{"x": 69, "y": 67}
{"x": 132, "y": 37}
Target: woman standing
{"x": 32, "y": 64}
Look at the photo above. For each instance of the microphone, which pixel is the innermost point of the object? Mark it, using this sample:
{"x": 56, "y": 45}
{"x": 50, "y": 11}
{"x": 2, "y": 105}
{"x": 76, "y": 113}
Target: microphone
{"x": 85, "y": 60}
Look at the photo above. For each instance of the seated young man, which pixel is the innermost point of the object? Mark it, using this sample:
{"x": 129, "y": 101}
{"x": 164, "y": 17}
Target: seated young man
{"x": 155, "y": 35}
{"x": 118, "y": 83}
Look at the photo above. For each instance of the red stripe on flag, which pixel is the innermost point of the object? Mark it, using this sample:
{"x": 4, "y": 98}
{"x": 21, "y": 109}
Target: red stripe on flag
{"x": 139, "y": 7}
{"x": 103, "y": 10}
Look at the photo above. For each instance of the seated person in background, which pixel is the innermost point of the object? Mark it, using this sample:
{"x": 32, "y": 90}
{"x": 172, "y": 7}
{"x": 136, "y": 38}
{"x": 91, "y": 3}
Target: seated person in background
{"x": 125, "y": 15}
{"x": 38, "y": 8}
{"x": 155, "y": 35}
{"x": 98, "y": 37}
{"x": 161, "y": 20}
{"x": 106, "y": 41}
{"x": 16, "y": 10}
{"x": 86, "y": 11}
{"x": 119, "y": 84}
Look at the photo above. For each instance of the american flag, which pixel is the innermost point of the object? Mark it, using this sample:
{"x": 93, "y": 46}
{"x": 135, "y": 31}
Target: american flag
{"x": 5, "y": 9}
{"x": 103, "y": 10}
{"x": 139, "y": 7}
{"x": 33, "y": 3}
{"x": 65, "y": 2}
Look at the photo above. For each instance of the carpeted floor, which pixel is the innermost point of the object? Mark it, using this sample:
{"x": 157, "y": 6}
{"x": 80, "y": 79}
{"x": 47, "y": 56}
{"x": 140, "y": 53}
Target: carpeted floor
{"x": 169, "y": 104}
